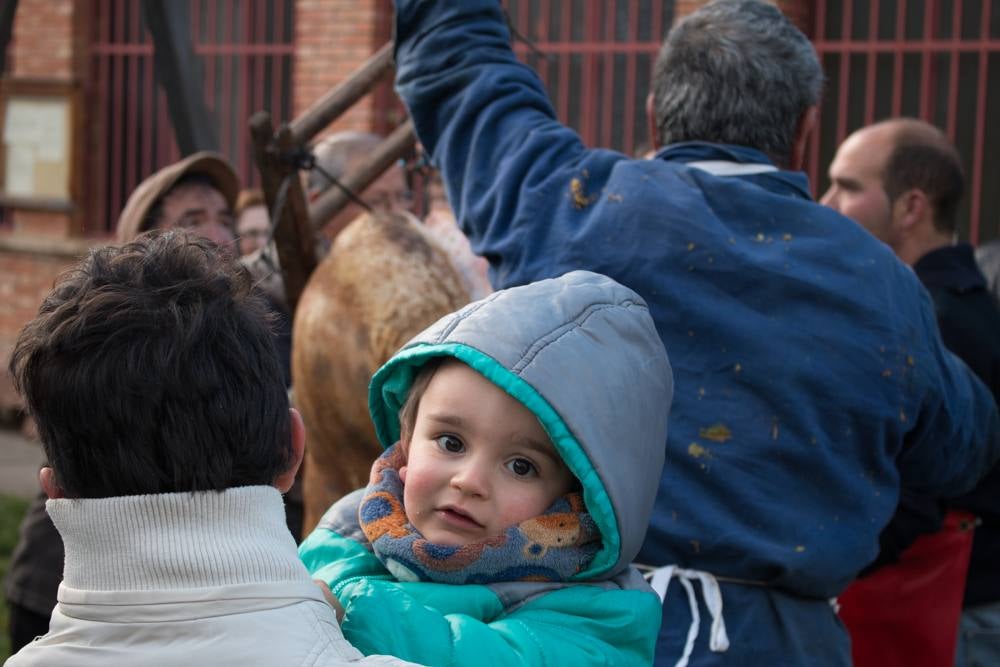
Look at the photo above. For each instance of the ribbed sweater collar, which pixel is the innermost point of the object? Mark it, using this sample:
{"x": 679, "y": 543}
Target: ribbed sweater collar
{"x": 176, "y": 541}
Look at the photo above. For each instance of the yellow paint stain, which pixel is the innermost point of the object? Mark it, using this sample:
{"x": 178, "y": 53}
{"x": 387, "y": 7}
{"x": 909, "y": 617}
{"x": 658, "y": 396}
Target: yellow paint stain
{"x": 701, "y": 392}
{"x": 909, "y": 360}
{"x": 715, "y": 433}
{"x": 799, "y": 549}
{"x": 697, "y": 451}
{"x": 760, "y": 237}
{"x": 578, "y": 194}
{"x": 691, "y": 246}
{"x": 786, "y": 237}
{"x": 737, "y": 368}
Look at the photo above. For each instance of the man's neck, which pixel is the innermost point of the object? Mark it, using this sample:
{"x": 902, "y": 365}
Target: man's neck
{"x": 919, "y": 244}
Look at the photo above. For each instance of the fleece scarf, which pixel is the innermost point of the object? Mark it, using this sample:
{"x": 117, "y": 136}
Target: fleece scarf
{"x": 551, "y": 547}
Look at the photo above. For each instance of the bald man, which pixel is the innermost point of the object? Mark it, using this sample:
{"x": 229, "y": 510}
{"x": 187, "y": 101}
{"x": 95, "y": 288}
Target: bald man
{"x": 901, "y": 179}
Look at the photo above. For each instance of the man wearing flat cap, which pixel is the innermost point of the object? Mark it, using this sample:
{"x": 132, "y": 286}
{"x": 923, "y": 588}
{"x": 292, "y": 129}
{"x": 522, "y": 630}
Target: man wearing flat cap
{"x": 198, "y": 193}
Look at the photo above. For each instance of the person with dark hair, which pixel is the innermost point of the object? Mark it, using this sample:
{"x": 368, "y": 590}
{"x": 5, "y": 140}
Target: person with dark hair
{"x": 196, "y": 193}
{"x": 901, "y": 179}
{"x": 151, "y": 373}
{"x": 793, "y": 426}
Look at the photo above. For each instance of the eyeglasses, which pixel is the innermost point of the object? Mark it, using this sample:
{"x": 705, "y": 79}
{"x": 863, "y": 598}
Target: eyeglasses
{"x": 384, "y": 202}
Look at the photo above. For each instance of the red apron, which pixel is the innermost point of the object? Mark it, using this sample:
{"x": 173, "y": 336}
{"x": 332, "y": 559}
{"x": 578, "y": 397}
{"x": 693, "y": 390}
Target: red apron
{"x": 907, "y": 613}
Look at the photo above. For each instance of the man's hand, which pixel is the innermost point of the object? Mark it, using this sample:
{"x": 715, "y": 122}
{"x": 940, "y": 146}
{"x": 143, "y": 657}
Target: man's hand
{"x": 331, "y": 599}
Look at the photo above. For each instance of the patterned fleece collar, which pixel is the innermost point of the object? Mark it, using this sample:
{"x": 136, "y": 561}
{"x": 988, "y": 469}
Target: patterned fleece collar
{"x": 551, "y": 547}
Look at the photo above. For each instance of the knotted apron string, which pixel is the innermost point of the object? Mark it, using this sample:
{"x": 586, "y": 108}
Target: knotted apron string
{"x": 660, "y": 579}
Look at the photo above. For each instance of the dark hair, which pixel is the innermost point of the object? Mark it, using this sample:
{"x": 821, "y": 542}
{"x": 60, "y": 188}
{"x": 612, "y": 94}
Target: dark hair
{"x": 922, "y": 158}
{"x": 156, "y": 210}
{"x": 151, "y": 368}
{"x": 735, "y": 72}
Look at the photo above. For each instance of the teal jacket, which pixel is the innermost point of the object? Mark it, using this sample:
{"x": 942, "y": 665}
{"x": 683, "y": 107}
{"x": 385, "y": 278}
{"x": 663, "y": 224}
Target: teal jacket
{"x": 582, "y": 353}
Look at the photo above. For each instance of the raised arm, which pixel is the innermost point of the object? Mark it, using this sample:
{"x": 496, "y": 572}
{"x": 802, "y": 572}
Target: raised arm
{"x": 487, "y": 122}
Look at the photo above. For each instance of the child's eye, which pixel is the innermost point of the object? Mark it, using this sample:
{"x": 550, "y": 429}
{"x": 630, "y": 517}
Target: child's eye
{"x": 522, "y": 468}
{"x": 449, "y": 443}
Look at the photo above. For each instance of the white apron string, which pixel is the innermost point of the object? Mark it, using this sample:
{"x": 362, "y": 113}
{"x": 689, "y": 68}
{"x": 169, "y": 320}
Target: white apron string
{"x": 718, "y": 641}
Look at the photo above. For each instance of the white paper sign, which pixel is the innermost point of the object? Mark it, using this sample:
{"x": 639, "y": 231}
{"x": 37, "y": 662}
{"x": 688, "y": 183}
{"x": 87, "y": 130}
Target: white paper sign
{"x": 20, "y": 171}
{"x": 35, "y": 142}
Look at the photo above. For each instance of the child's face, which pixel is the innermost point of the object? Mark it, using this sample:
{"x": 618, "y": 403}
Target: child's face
{"x": 478, "y": 461}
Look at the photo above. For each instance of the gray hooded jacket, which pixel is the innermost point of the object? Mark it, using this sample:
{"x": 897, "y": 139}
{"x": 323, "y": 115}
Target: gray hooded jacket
{"x": 582, "y": 353}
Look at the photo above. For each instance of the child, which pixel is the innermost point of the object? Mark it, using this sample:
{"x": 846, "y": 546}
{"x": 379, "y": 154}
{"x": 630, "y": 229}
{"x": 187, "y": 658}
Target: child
{"x": 151, "y": 373}
{"x": 501, "y": 526}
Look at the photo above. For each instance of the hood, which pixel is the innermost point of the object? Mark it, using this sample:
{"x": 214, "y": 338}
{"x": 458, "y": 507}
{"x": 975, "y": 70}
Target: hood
{"x": 582, "y": 353}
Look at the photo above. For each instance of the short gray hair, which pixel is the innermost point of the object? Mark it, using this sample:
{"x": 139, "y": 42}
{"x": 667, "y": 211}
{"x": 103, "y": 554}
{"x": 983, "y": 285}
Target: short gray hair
{"x": 335, "y": 155}
{"x": 735, "y": 72}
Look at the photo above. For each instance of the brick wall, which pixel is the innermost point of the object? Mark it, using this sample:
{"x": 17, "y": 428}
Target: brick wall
{"x": 44, "y": 40}
{"x": 333, "y": 37}
{"x": 46, "y": 45}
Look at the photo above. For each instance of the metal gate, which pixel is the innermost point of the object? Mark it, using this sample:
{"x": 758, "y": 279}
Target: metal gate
{"x": 932, "y": 59}
{"x": 596, "y": 60}
{"x": 938, "y": 60}
{"x": 245, "y": 48}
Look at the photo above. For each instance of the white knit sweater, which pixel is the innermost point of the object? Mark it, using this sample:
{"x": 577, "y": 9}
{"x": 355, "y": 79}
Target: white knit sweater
{"x": 176, "y": 540}
{"x": 208, "y": 578}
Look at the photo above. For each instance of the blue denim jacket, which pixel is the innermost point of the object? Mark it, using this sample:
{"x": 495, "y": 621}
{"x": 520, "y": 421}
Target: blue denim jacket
{"x": 810, "y": 379}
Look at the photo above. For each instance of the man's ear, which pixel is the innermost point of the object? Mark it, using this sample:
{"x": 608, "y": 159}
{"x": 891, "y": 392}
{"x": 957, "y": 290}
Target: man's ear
{"x": 47, "y": 478}
{"x": 910, "y": 209}
{"x": 651, "y": 125}
{"x": 803, "y": 128}
{"x": 284, "y": 481}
